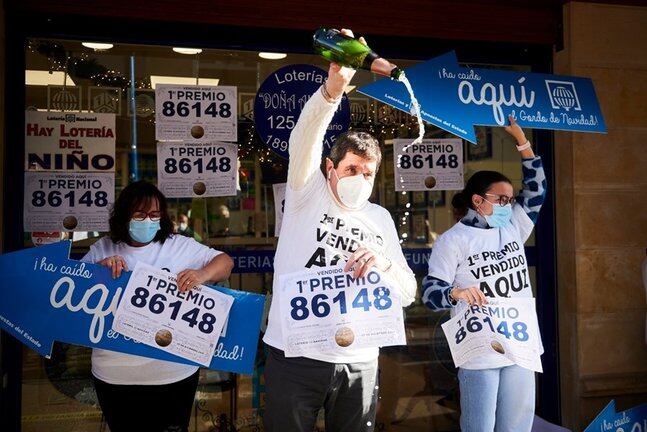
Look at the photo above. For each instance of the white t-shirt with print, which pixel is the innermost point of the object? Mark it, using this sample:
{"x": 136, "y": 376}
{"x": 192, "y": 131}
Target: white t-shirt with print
{"x": 491, "y": 259}
{"x": 176, "y": 254}
{"x": 316, "y": 232}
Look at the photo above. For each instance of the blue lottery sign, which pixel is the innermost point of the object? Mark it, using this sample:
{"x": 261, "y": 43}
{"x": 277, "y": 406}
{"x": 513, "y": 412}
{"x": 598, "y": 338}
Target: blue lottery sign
{"x": 47, "y": 297}
{"x": 456, "y": 99}
{"x": 631, "y": 420}
{"x": 279, "y": 102}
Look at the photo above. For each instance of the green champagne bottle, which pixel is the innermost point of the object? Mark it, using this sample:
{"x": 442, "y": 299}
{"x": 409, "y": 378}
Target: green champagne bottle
{"x": 349, "y": 52}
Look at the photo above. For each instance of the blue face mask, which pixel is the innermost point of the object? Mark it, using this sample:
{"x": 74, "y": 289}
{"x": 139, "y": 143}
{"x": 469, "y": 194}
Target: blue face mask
{"x": 143, "y": 231}
{"x": 500, "y": 216}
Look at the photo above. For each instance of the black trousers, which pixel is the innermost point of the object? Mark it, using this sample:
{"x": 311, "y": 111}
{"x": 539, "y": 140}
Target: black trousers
{"x": 297, "y": 388}
{"x": 154, "y": 408}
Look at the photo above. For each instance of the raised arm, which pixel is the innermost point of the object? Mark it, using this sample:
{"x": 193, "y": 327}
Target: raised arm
{"x": 306, "y": 140}
{"x": 533, "y": 193}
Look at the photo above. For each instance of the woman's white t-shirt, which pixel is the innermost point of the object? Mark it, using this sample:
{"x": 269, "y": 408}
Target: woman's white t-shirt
{"x": 176, "y": 254}
{"x": 491, "y": 259}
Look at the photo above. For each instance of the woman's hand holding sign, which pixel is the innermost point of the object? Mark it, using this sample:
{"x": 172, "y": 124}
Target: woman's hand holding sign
{"x": 515, "y": 131}
{"x": 190, "y": 278}
{"x": 217, "y": 270}
{"x": 116, "y": 263}
{"x": 523, "y": 145}
{"x": 471, "y": 295}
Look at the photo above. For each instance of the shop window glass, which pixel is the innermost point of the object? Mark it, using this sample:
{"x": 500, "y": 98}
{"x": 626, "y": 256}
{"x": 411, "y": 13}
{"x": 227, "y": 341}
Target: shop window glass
{"x": 419, "y": 389}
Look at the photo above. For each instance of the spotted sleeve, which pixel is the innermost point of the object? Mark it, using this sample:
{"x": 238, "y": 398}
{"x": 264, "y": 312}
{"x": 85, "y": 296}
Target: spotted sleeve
{"x": 435, "y": 293}
{"x": 443, "y": 262}
{"x": 534, "y": 189}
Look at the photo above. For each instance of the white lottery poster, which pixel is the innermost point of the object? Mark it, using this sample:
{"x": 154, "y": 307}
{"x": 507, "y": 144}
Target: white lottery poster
{"x": 279, "y": 206}
{"x": 505, "y": 326}
{"x": 69, "y": 141}
{"x": 434, "y": 164}
{"x": 206, "y": 113}
{"x": 153, "y": 311}
{"x": 68, "y": 201}
{"x": 193, "y": 169}
{"x": 327, "y": 311}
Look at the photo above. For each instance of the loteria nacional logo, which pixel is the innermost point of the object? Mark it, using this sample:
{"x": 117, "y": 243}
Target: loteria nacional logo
{"x": 105, "y": 103}
{"x": 562, "y": 94}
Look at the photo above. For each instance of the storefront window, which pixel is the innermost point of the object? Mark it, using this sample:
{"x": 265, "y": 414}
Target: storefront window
{"x": 418, "y": 385}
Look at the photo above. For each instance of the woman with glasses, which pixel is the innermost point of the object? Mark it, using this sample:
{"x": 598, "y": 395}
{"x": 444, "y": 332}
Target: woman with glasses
{"x": 473, "y": 261}
{"x": 137, "y": 393}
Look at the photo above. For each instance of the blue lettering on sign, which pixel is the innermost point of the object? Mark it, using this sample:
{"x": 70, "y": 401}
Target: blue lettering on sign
{"x": 279, "y": 102}
{"x": 631, "y": 420}
{"x": 47, "y": 297}
{"x": 262, "y": 261}
{"x": 418, "y": 259}
{"x": 378, "y": 298}
{"x": 455, "y": 98}
{"x": 251, "y": 261}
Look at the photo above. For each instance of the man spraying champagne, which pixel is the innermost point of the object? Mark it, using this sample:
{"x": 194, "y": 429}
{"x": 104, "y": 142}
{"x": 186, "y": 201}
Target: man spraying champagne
{"x": 344, "y": 380}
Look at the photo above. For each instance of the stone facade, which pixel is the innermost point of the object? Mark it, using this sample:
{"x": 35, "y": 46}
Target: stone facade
{"x": 601, "y": 212}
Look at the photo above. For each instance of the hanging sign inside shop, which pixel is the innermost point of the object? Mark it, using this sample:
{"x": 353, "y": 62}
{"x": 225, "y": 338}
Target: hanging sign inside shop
{"x": 67, "y": 201}
{"x": 64, "y": 98}
{"x": 417, "y": 258}
{"x": 456, "y": 99}
{"x": 505, "y": 327}
{"x": 433, "y": 164}
{"x": 47, "y": 297}
{"x": 144, "y": 103}
{"x": 631, "y": 420}
{"x": 252, "y": 261}
{"x": 328, "y": 312}
{"x": 279, "y": 206}
{"x": 262, "y": 261}
{"x": 191, "y": 169}
{"x": 153, "y": 311}
{"x": 104, "y": 99}
{"x": 281, "y": 98}
{"x": 191, "y": 113}
{"x": 69, "y": 141}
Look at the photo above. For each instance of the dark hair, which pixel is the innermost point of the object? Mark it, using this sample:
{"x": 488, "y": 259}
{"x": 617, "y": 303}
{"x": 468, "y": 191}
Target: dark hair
{"x": 478, "y": 184}
{"x": 137, "y": 194}
{"x": 360, "y": 143}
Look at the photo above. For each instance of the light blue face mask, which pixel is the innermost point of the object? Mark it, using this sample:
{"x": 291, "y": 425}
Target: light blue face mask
{"x": 143, "y": 231}
{"x": 500, "y": 216}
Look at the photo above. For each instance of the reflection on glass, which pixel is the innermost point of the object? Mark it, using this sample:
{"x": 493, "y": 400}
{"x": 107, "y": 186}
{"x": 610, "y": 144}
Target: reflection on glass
{"x": 418, "y": 386}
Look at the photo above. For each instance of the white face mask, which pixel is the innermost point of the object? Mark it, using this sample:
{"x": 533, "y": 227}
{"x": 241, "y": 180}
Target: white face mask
{"x": 353, "y": 191}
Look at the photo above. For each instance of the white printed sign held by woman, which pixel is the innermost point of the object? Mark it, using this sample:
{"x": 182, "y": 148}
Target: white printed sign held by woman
{"x": 185, "y": 323}
{"x": 507, "y": 327}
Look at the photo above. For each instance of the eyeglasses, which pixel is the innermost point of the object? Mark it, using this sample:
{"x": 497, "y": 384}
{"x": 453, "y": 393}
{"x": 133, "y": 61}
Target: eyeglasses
{"x": 153, "y": 215}
{"x": 502, "y": 200}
